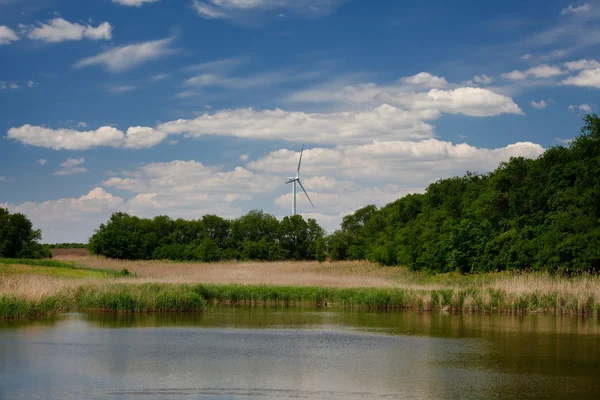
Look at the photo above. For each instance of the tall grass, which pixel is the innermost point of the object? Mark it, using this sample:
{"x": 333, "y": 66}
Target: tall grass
{"x": 154, "y": 297}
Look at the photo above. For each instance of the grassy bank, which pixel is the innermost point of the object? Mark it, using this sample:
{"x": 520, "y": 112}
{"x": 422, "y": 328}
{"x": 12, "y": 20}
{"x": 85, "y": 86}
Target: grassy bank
{"x": 17, "y": 266}
{"x": 157, "y": 297}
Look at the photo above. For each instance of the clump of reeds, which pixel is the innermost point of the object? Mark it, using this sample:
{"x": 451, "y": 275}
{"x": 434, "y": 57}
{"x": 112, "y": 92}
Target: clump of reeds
{"x": 155, "y": 297}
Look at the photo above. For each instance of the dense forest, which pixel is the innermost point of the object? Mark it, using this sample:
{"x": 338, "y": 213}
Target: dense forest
{"x": 254, "y": 236}
{"x": 18, "y": 239}
{"x": 527, "y": 214}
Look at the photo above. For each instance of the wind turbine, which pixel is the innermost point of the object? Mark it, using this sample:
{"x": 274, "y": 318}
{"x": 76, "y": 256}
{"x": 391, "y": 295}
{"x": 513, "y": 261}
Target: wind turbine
{"x": 297, "y": 179}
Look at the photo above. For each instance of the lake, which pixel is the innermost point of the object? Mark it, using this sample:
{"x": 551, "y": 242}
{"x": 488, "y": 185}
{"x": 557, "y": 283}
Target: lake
{"x": 299, "y": 353}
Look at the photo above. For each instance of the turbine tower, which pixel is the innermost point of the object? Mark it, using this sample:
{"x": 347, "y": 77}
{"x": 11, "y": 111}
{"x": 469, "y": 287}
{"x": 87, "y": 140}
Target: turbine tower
{"x": 297, "y": 179}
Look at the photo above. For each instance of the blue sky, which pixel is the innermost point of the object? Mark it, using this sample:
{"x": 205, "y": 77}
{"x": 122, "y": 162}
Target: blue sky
{"x": 183, "y": 108}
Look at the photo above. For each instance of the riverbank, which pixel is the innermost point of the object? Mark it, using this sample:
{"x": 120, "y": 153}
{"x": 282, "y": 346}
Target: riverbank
{"x": 164, "y": 287}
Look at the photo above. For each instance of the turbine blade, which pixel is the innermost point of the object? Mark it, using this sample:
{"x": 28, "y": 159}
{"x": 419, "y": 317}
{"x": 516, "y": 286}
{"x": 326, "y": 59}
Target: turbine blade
{"x": 300, "y": 161}
{"x": 300, "y": 183}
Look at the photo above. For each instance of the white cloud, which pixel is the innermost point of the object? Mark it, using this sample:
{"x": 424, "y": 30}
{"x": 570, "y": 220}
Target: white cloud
{"x": 2, "y": 179}
{"x": 414, "y": 164}
{"x": 81, "y": 125}
{"x": 70, "y": 219}
{"x": 30, "y": 84}
{"x": 475, "y": 102}
{"x": 582, "y": 64}
{"x": 133, "y": 3}
{"x": 483, "y": 79}
{"x": 207, "y": 11}
{"x": 586, "y": 108}
{"x": 60, "y": 30}
{"x": 425, "y": 79}
{"x": 7, "y": 35}
{"x": 42, "y": 161}
{"x": 541, "y": 71}
{"x": 213, "y": 9}
{"x": 469, "y": 101}
{"x": 540, "y": 105}
{"x": 585, "y": 78}
{"x": 576, "y": 10}
{"x": 71, "y": 166}
{"x": 190, "y": 189}
{"x": 140, "y": 137}
{"x": 385, "y": 122}
{"x": 122, "y": 89}
{"x": 67, "y": 139}
{"x": 526, "y": 56}
{"x": 244, "y": 157}
{"x": 338, "y": 127}
{"x": 127, "y": 57}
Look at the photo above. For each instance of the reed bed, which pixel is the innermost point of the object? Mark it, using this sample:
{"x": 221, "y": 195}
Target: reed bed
{"x": 152, "y": 297}
{"x": 165, "y": 286}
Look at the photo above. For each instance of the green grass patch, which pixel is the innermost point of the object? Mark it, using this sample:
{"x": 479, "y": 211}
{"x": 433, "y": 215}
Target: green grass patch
{"x": 13, "y": 266}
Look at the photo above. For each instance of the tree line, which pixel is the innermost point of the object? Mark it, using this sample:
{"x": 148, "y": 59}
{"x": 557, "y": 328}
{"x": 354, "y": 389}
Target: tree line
{"x": 541, "y": 214}
{"x": 253, "y": 236}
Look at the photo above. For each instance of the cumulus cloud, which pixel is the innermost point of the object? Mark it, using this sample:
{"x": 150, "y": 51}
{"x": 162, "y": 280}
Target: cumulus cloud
{"x": 357, "y": 126}
{"x": 412, "y": 94}
{"x": 71, "y": 166}
{"x": 576, "y": 10}
{"x": 400, "y": 116}
{"x": 70, "y": 219}
{"x": 540, "y": 105}
{"x": 127, "y": 57}
{"x": 585, "y": 78}
{"x": 526, "y": 56}
{"x": 582, "y": 64}
{"x": 60, "y": 30}
{"x": 133, "y": 3}
{"x": 426, "y": 79}
{"x": 405, "y": 162}
{"x": 189, "y": 188}
{"x": 42, "y": 161}
{"x": 140, "y": 137}
{"x": 244, "y": 157}
{"x": 7, "y": 35}
{"x": 541, "y": 71}
{"x": 68, "y": 139}
{"x": 586, "y": 108}
{"x": 479, "y": 80}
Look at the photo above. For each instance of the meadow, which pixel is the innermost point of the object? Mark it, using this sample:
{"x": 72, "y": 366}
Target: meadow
{"x": 87, "y": 283}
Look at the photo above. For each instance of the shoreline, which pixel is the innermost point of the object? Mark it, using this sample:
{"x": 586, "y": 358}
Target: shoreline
{"x": 168, "y": 297}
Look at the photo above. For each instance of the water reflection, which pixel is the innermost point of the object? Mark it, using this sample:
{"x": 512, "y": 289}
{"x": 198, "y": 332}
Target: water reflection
{"x": 268, "y": 353}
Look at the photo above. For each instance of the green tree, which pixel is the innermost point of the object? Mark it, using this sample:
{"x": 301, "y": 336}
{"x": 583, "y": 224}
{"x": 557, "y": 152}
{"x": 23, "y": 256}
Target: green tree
{"x": 18, "y": 239}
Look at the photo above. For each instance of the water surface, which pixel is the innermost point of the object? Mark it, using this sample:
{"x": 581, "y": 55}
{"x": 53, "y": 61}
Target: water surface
{"x": 264, "y": 353}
